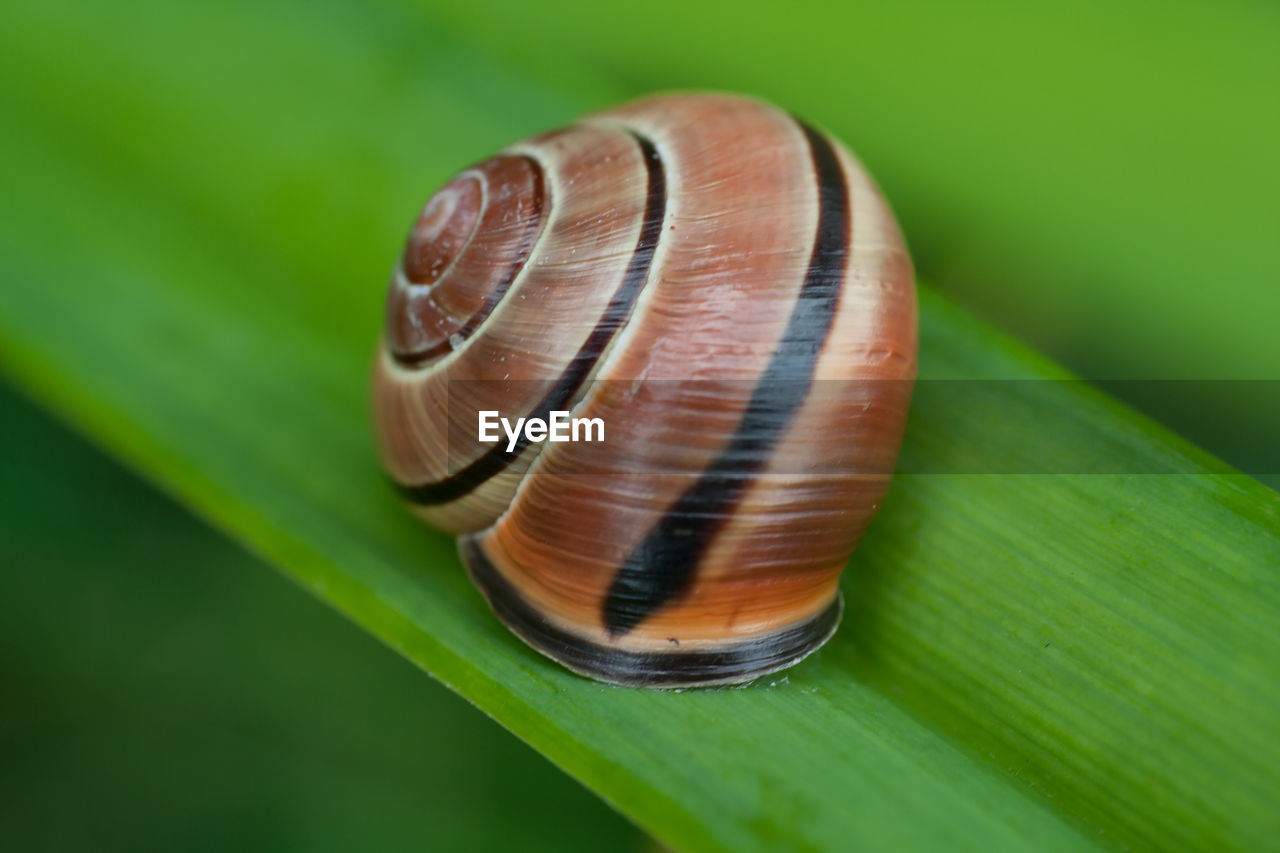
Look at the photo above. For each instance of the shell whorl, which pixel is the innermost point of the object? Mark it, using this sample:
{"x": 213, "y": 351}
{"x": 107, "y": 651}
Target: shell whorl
{"x": 724, "y": 288}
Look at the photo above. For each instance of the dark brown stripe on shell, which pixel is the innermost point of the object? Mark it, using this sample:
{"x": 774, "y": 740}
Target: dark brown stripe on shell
{"x": 532, "y": 230}
{"x": 726, "y": 665}
{"x": 571, "y": 381}
{"x": 662, "y": 567}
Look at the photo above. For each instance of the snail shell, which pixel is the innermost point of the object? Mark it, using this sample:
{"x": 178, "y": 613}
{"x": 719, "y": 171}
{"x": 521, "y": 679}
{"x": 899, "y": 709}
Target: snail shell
{"x": 724, "y": 287}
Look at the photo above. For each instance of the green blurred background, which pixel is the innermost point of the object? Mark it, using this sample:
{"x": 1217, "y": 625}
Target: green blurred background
{"x": 163, "y": 690}
{"x": 1098, "y": 178}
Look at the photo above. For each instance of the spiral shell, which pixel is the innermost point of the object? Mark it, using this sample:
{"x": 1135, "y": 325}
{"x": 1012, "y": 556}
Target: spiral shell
{"x": 725, "y": 290}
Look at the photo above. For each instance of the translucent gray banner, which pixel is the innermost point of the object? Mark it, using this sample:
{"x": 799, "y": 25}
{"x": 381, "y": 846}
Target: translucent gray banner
{"x": 954, "y": 427}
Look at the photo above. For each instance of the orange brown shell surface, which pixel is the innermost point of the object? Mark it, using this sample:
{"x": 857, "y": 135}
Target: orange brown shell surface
{"x": 724, "y": 288}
